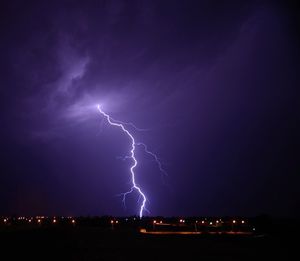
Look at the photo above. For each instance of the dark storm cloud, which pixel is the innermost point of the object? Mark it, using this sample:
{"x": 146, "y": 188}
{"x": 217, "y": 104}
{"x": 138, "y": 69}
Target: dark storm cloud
{"x": 212, "y": 81}
{"x": 63, "y": 54}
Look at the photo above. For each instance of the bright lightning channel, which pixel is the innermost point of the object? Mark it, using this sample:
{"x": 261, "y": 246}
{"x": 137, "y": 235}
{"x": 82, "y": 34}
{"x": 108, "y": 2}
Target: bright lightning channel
{"x": 156, "y": 159}
{"x": 132, "y": 156}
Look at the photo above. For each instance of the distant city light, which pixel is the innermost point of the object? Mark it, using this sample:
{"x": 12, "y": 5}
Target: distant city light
{"x": 229, "y": 225}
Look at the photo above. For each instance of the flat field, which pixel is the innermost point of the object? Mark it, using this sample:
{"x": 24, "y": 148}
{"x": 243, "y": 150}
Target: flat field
{"x": 96, "y": 243}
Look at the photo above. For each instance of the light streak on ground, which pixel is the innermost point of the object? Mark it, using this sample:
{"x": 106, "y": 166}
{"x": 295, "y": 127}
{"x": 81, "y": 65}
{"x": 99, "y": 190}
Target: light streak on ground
{"x": 144, "y": 231}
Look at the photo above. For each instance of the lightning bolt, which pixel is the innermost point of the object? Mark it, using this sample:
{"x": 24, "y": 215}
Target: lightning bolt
{"x": 156, "y": 159}
{"x": 129, "y": 124}
{"x": 121, "y": 125}
{"x": 153, "y": 155}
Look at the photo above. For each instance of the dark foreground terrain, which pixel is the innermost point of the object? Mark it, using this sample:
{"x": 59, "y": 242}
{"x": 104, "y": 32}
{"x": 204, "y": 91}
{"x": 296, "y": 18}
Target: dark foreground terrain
{"x": 100, "y": 243}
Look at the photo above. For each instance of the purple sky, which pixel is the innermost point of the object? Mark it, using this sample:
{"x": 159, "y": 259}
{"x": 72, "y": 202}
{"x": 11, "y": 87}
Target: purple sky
{"x": 214, "y": 84}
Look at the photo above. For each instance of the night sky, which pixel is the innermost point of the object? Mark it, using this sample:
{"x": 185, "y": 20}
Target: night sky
{"x": 213, "y": 83}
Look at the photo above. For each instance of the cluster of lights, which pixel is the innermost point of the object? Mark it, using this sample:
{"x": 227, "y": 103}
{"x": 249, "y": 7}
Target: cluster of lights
{"x": 54, "y": 220}
{"x": 218, "y": 221}
{"x": 212, "y": 222}
{"x": 234, "y": 221}
{"x": 39, "y": 219}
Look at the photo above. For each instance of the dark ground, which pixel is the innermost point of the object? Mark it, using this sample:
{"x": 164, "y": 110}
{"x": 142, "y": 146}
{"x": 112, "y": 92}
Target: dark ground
{"x": 96, "y": 243}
